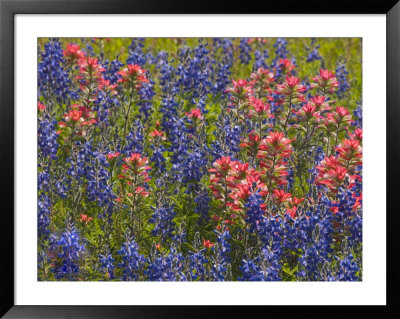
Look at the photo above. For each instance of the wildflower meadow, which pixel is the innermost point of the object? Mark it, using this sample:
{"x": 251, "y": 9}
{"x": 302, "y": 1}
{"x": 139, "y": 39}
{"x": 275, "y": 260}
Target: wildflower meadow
{"x": 188, "y": 159}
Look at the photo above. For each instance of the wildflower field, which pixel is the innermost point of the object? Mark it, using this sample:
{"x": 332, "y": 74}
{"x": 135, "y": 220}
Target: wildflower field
{"x": 171, "y": 159}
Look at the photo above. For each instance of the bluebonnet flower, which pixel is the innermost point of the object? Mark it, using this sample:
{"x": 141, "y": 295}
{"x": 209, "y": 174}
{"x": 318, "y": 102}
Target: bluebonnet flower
{"x": 349, "y": 269}
{"x": 162, "y": 219}
{"x": 319, "y": 155}
{"x": 290, "y": 178}
{"x": 107, "y": 265}
{"x": 358, "y": 116}
{"x": 341, "y": 76}
{"x": 162, "y": 61}
{"x": 112, "y": 69}
{"x": 269, "y": 231}
{"x": 166, "y": 268}
{"x": 134, "y": 139}
{"x": 196, "y": 261}
{"x": 244, "y": 51}
{"x": 47, "y": 138}
{"x": 157, "y": 158}
{"x": 316, "y": 238}
{"x": 44, "y": 205}
{"x": 133, "y": 262}
{"x": 264, "y": 267}
{"x": 222, "y": 64}
{"x": 260, "y": 59}
{"x": 280, "y": 46}
{"x": 98, "y": 188}
{"x": 67, "y": 251}
{"x": 193, "y": 73}
{"x": 146, "y": 93}
{"x": 220, "y": 266}
{"x": 227, "y": 138}
{"x": 88, "y": 45}
{"x": 313, "y": 55}
{"x": 202, "y": 201}
{"x": 179, "y": 235}
{"x": 53, "y": 79}
{"x": 136, "y": 55}
{"x": 281, "y": 53}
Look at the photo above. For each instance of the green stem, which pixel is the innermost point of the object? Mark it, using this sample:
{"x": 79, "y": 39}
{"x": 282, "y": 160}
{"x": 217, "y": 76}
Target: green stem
{"x": 127, "y": 114}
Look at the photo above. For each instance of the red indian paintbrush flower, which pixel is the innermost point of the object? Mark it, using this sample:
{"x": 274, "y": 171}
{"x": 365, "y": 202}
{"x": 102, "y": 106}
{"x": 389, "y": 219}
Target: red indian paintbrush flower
{"x": 73, "y": 53}
{"x": 133, "y": 75}
{"x": 241, "y": 89}
{"x": 325, "y": 81}
{"x": 261, "y": 81}
{"x": 207, "y": 244}
{"x": 275, "y": 144}
{"x": 286, "y": 65}
{"x": 85, "y": 219}
{"x": 41, "y": 107}
{"x": 111, "y": 156}
{"x": 281, "y": 196}
{"x": 195, "y": 114}
{"x": 350, "y": 152}
{"x": 331, "y": 173}
{"x": 156, "y": 133}
{"x": 339, "y": 118}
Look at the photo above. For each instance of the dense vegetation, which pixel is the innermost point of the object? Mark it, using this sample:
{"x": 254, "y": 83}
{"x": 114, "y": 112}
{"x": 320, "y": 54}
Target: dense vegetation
{"x": 199, "y": 159}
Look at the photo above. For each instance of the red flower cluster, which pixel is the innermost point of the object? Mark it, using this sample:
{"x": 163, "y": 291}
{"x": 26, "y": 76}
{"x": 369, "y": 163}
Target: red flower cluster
{"x": 251, "y": 144}
{"x": 73, "y": 53}
{"x": 195, "y": 114}
{"x": 334, "y": 169}
{"x": 156, "y": 133}
{"x": 85, "y": 219}
{"x": 272, "y": 152}
{"x": 111, "y": 156}
{"x": 207, "y": 244}
{"x": 41, "y": 107}
{"x": 232, "y": 182}
{"x": 133, "y": 76}
{"x": 77, "y": 119}
{"x": 241, "y": 89}
{"x": 90, "y": 73}
{"x": 262, "y": 80}
{"x": 292, "y": 89}
{"x": 134, "y": 177}
{"x": 338, "y": 118}
{"x": 325, "y": 81}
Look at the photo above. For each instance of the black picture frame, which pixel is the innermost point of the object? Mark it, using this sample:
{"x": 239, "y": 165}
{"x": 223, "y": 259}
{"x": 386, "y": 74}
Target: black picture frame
{"x": 8, "y": 8}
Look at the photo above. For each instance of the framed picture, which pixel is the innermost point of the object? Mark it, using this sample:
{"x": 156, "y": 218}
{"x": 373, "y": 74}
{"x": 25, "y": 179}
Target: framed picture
{"x": 177, "y": 158}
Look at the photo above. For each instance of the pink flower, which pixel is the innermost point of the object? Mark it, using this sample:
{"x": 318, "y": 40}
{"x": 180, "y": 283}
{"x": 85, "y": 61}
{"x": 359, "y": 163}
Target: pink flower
{"x": 41, "y": 107}
{"x": 156, "y": 133}
{"x": 280, "y": 195}
{"x": 296, "y": 201}
{"x": 241, "y": 88}
{"x": 207, "y": 244}
{"x": 325, "y": 80}
{"x": 292, "y": 81}
{"x": 339, "y": 117}
{"x": 286, "y": 65}
{"x": 85, "y": 219}
{"x": 195, "y": 114}
{"x": 110, "y": 156}
{"x": 75, "y": 115}
{"x": 291, "y": 211}
{"x": 73, "y": 52}
{"x": 350, "y": 150}
{"x": 291, "y": 88}
{"x": 133, "y": 74}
